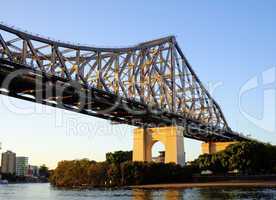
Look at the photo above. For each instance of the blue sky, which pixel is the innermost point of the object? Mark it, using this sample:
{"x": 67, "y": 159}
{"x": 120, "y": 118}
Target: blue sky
{"x": 227, "y": 43}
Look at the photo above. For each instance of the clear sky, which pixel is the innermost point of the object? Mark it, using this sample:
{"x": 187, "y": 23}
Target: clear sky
{"x": 228, "y": 44}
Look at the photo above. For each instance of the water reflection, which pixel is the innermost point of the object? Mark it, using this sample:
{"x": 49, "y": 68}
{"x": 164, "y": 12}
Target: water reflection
{"x": 206, "y": 194}
{"x": 173, "y": 195}
{"x": 155, "y": 194}
{"x": 45, "y": 192}
{"x": 142, "y": 194}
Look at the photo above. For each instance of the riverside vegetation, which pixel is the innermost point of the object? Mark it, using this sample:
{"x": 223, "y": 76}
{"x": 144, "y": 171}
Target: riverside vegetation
{"x": 119, "y": 170}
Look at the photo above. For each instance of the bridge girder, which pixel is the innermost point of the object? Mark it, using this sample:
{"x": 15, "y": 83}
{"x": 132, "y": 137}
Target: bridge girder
{"x": 155, "y": 75}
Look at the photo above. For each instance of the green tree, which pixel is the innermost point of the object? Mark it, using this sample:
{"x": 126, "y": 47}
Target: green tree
{"x": 246, "y": 157}
{"x": 204, "y": 162}
{"x": 119, "y": 157}
{"x": 44, "y": 171}
{"x": 71, "y": 173}
{"x": 97, "y": 173}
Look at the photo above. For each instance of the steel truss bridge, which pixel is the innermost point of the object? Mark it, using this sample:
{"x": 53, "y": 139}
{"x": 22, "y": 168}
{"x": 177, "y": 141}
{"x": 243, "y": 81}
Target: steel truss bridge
{"x": 147, "y": 85}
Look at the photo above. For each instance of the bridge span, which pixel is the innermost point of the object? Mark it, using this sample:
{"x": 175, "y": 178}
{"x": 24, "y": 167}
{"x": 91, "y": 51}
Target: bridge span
{"x": 150, "y": 84}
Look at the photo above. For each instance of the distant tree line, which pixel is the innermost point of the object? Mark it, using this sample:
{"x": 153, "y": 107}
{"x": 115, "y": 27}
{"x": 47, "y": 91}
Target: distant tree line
{"x": 119, "y": 170}
{"x": 243, "y": 157}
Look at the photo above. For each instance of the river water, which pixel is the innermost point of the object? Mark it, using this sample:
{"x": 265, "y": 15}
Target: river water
{"x": 46, "y": 192}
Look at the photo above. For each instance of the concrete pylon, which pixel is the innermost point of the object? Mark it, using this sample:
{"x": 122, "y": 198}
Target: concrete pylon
{"x": 214, "y": 147}
{"x": 171, "y": 137}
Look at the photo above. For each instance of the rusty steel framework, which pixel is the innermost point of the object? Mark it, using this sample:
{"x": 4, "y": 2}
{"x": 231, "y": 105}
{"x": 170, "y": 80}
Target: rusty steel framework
{"x": 154, "y": 76}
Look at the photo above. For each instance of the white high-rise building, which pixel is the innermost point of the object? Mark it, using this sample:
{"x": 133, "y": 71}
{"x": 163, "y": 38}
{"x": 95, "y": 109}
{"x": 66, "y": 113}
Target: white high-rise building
{"x": 22, "y": 166}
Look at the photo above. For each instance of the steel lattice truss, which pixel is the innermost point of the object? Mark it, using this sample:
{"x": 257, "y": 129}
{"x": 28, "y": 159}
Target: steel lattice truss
{"x": 155, "y": 73}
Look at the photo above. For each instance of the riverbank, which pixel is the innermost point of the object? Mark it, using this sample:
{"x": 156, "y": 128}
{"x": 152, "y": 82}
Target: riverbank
{"x": 253, "y": 184}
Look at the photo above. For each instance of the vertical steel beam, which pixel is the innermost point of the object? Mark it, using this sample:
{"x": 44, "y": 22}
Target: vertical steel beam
{"x": 116, "y": 73}
{"x": 24, "y": 52}
{"x": 6, "y": 48}
{"x": 172, "y": 63}
{"x": 99, "y": 66}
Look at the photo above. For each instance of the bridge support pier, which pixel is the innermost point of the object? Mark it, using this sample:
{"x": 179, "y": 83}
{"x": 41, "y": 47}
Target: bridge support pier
{"x": 214, "y": 147}
{"x": 171, "y": 137}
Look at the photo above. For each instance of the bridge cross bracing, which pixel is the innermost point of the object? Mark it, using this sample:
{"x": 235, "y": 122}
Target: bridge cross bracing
{"x": 148, "y": 84}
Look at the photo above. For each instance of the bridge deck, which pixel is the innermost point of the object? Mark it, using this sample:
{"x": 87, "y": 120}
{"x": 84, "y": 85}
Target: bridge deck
{"x": 53, "y": 91}
{"x": 149, "y": 84}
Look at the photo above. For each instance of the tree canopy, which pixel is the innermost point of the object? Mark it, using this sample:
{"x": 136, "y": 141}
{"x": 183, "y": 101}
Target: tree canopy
{"x": 119, "y": 157}
{"x": 246, "y": 157}
{"x": 118, "y": 169}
